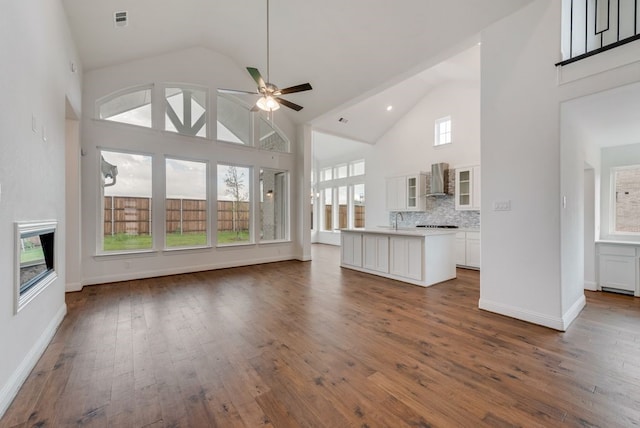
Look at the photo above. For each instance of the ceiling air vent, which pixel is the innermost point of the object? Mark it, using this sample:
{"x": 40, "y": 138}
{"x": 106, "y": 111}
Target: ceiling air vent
{"x": 120, "y": 19}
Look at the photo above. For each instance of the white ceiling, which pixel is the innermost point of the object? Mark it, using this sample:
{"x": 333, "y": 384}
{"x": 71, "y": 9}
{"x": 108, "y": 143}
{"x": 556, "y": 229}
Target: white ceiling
{"x": 609, "y": 118}
{"x": 347, "y": 50}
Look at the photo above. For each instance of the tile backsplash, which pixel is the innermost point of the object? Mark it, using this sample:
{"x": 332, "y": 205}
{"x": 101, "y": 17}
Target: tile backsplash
{"x": 440, "y": 210}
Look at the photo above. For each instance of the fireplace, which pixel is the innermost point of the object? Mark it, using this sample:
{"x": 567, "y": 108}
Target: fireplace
{"x": 35, "y": 257}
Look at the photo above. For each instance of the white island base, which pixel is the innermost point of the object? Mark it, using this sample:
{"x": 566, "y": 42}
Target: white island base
{"x": 420, "y": 257}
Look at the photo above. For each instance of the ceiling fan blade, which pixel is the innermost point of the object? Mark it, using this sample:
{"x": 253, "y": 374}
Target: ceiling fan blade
{"x": 237, "y": 91}
{"x": 289, "y": 104}
{"x": 297, "y": 88}
{"x": 256, "y": 76}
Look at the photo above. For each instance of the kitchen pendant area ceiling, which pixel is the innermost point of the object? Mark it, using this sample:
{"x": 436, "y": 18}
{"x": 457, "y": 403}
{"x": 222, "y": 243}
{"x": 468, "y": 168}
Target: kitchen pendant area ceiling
{"x": 347, "y": 49}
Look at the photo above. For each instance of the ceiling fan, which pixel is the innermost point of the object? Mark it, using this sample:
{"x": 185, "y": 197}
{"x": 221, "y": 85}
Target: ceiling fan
{"x": 270, "y": 99}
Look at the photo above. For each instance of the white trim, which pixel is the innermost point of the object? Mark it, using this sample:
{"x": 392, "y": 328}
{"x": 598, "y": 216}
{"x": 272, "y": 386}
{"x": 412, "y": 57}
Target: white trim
{"x": 180, "y": 270}
{"x": 591, "y": 285}
{"x": 17, "y": 378}
{"x": 555, "y": 323}
{"x": 573, "y": 312}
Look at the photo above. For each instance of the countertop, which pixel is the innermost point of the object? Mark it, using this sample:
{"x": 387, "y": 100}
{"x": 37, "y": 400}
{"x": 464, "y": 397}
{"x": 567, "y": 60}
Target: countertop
{"x": 404, "y": 231}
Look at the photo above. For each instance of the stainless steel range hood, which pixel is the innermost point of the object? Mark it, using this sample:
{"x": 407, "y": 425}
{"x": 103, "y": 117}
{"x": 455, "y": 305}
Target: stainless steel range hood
{"x": 439, "y": 179}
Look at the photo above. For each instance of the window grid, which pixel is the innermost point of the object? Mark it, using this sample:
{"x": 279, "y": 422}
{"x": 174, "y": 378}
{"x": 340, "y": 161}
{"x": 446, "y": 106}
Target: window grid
{"x": 443, "y": 131}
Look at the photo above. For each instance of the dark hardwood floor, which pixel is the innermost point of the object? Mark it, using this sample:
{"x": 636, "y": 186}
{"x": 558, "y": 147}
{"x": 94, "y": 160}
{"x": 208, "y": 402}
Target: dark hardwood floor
{"x": 311, "y": 345}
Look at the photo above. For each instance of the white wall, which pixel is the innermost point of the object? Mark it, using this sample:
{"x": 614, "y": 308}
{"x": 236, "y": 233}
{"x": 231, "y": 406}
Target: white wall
{"x": 37, "y": 50}
{"x": 613, "y": 157}
{"x": 408, "y": 146}
{"x": 532, "y": 257}
{"x": 191, "y": 66}
{"x": 520, "y": 274}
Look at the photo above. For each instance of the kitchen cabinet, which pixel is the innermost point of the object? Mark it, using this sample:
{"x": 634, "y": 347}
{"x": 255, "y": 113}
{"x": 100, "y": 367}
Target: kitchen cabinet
{"x": 468, "y": 249}
{"x": 376, "y": 253}
{"x": 351, "y": 244}
{"x": 406, "y": 256}
{"x": 421, "y": 257}
{"x": 618, "y": 268}
{"x": 406, "y": 193}
{"x": 467, "y": 193}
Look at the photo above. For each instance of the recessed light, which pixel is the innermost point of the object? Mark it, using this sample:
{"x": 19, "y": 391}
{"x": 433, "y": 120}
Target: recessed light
{"x": 389, "y": 108}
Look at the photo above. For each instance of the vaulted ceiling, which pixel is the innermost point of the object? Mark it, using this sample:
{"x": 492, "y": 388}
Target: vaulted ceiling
{"x": 346, "y": 49}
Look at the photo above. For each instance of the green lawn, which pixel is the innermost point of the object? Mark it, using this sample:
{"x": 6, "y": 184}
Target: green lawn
{"x": 124, "y": 242}
{"x": 31, "y": 255}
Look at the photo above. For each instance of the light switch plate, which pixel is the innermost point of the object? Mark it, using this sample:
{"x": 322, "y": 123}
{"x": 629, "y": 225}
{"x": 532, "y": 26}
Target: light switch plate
{"x": 502, "y": 205}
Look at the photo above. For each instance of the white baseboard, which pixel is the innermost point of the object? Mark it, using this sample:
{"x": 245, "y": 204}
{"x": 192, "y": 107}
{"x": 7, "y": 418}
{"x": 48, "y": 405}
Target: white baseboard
{"x": 11, "y": 388}
{"x": 573, "y": 312}
{"x": 128, "y": 276}
{"x": 591, "y": 285}
{"x": 556, "y": 323}
{"x": 545, "y": 320}
{"x": 72, "y": 286}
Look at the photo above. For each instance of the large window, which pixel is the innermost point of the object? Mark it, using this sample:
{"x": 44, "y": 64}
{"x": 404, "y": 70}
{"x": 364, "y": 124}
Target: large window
{"x": 358, "y": 205}
{"x": 327, "y": 209}
{"x": 341, "y": 195}
{"x": 274, "y": 203}
{"x": 269, "y": 138}
{"x": 186, "y": 111}
{"x": 132, "y": 107}
{"x": 343, "y": 208}
{"x": 186, "y": 203}
{"x": 126, "y": 183}
{"x": 234, "y": 204}
{"x": 626, "y": 203}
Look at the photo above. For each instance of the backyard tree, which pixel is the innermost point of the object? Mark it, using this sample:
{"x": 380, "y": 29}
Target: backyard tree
{"x": 234, "y": 181}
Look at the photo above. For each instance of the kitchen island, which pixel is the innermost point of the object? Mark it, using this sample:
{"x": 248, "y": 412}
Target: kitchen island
{"x": 416, "y": 256}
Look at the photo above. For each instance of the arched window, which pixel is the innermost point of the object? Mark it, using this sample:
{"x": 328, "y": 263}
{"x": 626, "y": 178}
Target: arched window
{"x": 186, "y": 111}
{"x": 132, "y": 106}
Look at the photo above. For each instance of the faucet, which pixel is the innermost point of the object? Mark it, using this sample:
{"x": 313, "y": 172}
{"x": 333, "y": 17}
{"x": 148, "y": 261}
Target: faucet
{"x": 396, "y": 223}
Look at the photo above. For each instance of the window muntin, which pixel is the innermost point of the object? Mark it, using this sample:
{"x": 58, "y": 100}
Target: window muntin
{"x": 234, "y": 205}
{"x": 443, "y": 131}
{"x": 626, "y": 200}
{"x": 326, "y": 174}
{"x": 270, "y": 138}
{"x": 356, "y": 168}
{"x": 234, "y": 121}
{"x": 341, "y": 171}
{"x": 343, "y": 208}
{"x": 126, "y": 201}
{"x": 186, "y": 203}
{"x": 274, "y": 204}
{"x": 327, "y": 209}
{"x": 186, "y": 111}
{"x": 358, "y": 205}
{"x": 133, "y": 107}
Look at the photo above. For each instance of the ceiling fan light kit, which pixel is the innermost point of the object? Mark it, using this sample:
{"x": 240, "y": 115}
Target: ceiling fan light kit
{"x": 267, "y": 103}
{"x": 269, "y": 93}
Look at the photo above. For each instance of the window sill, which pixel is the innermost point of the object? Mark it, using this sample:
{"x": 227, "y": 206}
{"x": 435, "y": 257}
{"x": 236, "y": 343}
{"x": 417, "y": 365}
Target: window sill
{"x": 125, "y": 254}
{"x": 275, "y": 241}
{"x": 183, "y": 249}
{"x": 239, "y": 244}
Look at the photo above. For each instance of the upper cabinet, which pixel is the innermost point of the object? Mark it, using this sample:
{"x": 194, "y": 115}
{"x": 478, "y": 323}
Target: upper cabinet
{"x": 468, "y": 188}
{"x": 406, "y": 193}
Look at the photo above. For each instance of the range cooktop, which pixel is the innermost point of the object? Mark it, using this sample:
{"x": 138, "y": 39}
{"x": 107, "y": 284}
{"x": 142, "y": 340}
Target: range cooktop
{"x": 437, "y": 226}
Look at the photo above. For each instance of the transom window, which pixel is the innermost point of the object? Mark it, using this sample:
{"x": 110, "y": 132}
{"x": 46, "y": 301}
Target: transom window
{"x": 443, "y": 131}
{"x": 186, "y": 111}
{"x": 132, "y": 107}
